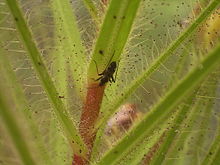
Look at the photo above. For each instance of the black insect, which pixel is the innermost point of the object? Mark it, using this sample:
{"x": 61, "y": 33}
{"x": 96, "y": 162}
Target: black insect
{"x": 107, "y": 74}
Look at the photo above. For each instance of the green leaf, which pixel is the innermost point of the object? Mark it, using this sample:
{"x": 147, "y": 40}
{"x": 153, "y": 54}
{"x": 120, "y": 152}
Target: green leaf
{"x": 112, "y": 39}
{"x": 154, "y": 66}
{"x": 173, "y": 132}
{"x": 92, "y": 10}
{"x": 113, "y": 34}
{"x": 217, "y": 158}
{"x": 70, "y": 48}
{"x": 48, "y": 85}
{"x": 12, "y": 125}
{"x": 22, "y": 105}
{"x": 164, "y": 107}
{"x": 212, "y": 157}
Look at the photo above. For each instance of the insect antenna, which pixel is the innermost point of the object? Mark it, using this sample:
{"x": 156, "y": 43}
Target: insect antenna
{"x": 110, "y": 59}
{"x": 106, "y": 66}
{"x": 96, "y": 67}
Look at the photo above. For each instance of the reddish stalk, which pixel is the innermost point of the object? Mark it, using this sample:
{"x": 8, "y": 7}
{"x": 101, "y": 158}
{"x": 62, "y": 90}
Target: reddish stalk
{"x": 89, "y": 116}
{"x": 148, "y": 157}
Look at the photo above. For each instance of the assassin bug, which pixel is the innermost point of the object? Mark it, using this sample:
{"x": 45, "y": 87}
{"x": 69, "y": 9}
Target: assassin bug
{"x": 107, "y": 74}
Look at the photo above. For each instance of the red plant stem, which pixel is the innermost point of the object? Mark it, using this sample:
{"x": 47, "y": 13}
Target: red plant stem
{"x": 77, "y": 160}
{"x": 148, "y": 157}
{"x": 88, "y": 119}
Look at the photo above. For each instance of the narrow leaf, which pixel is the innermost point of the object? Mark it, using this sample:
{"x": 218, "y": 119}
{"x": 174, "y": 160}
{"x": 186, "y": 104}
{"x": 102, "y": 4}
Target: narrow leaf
{"x": 165, "y": 107}
{"x": 92, "y": 10}
{"x": 22, "y": 105}
{"x": 12, "y": 126}
{"x": 171, "y": 134}
{"x": 47, "y": 83}
{"x": 214, "y": 150}
{"x": 69, "y": 44}
{"x": 154, "y": 66}
{"x": 113, "y": 35}
{"x": 111, "y": 41}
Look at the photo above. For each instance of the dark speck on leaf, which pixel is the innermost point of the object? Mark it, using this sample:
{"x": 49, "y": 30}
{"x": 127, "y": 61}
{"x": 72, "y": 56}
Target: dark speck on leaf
{"x": 115, "y": 152}
{"x": 39, "y": 63}
{"x": 114, "y": 17}
{"x": 101, "y": 52}
{"x": 16, "y": 19}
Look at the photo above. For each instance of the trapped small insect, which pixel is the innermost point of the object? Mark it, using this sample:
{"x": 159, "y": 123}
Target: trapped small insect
{"x": 107, "y": 74}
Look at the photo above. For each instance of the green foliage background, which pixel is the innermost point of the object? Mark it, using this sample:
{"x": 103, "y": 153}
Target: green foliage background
{"x": 169, "y": 61}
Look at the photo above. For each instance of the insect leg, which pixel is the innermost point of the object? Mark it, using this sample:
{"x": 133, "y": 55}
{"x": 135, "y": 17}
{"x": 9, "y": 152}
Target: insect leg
{"x": 98, "y": 78}
{"x": 112, "y": 79}
{"x": 97, "y": 68}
